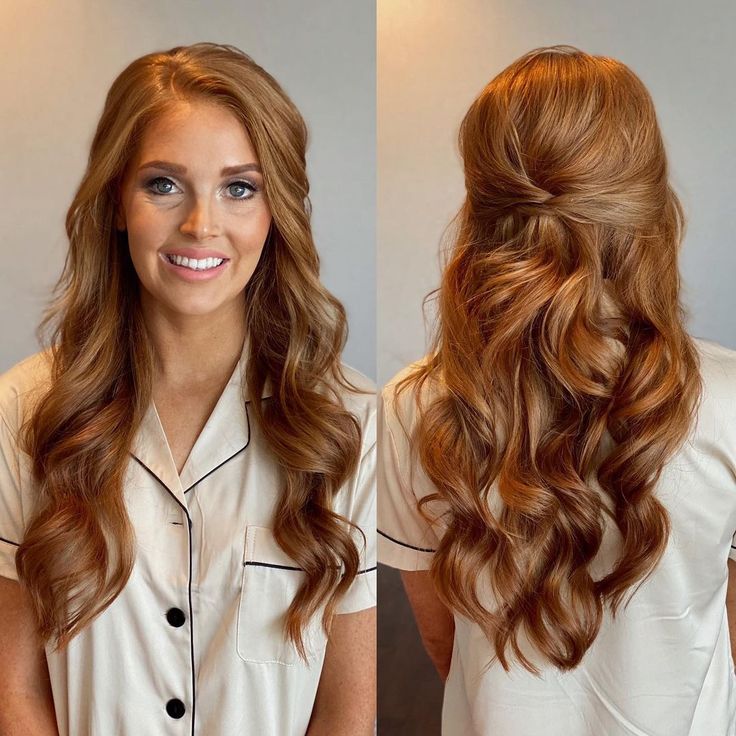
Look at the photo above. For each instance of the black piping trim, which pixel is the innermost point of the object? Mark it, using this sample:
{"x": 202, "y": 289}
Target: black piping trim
{"x": 189, "y": 583}
{"x": 733, "y": 546}
{"x": 288, "y": 567}
{"x": 191, "y": 624}
{"x": 2, "y": 539}
{"x": 404, "y": 544}
{"x": 268, "y": 564}
{"x": 170, "y": 492}
{"x": 247, "y": 419}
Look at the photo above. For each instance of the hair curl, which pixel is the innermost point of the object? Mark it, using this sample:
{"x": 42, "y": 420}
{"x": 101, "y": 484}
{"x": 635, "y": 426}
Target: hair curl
{"x": 78, "y": 550}
{"x": 564, "y": 376}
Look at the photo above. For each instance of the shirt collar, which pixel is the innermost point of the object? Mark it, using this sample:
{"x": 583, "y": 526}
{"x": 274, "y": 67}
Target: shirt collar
{"x": 226, "y": 434}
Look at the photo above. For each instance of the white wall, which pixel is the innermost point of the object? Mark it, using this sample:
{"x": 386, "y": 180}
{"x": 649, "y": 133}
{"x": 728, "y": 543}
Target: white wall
{"x": 435, "y": 56}
{"x": 58, "y": 60}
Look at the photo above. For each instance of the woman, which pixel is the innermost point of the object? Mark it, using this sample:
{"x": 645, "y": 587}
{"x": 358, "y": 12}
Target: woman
{"x": 187, "y": 471}
{"x": 557, "y": 478}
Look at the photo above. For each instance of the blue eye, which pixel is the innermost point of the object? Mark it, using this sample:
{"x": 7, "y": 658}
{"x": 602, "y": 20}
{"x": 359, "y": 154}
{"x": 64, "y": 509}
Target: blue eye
{"x": 241, "y": 189}
{"x": 161, "y": 185}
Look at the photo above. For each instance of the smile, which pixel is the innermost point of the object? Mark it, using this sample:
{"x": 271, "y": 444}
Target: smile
{"x": 202, "y": 264}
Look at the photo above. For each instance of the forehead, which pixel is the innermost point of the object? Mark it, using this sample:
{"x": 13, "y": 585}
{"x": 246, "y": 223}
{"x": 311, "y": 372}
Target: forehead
{"x": 197, "y": 133}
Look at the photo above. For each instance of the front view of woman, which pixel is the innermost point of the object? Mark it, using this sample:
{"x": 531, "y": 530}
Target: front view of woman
{"x": 187, "y": 472}
{"x": 558, "y": 474}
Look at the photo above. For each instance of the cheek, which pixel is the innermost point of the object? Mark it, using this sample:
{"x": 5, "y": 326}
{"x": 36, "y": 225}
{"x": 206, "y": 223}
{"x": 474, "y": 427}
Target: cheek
{"x": 143, "y": 230}
{"x": 146, "y": 232}
{"x": 251, "y": 235}
{"x": 146, "y": 235}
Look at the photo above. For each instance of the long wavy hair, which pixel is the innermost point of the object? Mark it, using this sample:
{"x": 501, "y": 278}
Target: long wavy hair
{"x": 562, "y": 377}
{"x": 78, "y": 551}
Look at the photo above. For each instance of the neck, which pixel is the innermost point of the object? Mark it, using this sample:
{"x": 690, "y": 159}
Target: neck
{"x": 193, "y": 350}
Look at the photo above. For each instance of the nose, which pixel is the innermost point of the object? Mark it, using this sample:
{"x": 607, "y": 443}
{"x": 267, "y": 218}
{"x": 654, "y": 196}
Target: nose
{"x": 202, "y": 220}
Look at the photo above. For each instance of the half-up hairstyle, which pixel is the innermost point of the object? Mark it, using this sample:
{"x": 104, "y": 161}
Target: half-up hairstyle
{"x": 562, "y": 375}
{"x": 78, "y": 551}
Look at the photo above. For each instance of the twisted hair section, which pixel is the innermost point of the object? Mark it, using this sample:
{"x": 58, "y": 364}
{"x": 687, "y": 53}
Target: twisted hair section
{"x": 79, "y": 551}
{"x": 563, "y": 377}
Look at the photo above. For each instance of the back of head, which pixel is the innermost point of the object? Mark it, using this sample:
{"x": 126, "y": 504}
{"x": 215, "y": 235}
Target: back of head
{"x": 567, "y": 376}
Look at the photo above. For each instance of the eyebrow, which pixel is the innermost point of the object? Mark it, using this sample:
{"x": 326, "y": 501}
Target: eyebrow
{"x": 179, "y": 169}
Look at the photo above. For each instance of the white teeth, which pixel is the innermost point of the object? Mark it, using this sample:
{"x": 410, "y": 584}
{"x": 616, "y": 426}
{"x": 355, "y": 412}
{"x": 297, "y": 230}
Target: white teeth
{"x": 195, "y": 265}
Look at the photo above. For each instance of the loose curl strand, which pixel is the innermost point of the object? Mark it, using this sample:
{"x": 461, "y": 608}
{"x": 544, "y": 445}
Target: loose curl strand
{"x": 562, "y": 376}
{"x": 78, "y": 551}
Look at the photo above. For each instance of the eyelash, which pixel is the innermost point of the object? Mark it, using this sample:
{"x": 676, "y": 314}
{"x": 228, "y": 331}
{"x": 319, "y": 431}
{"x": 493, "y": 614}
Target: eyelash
{"x": 151, "y": 187}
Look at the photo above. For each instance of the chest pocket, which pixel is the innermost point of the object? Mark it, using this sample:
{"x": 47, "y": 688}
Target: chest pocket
{"x": 270, "y": 583}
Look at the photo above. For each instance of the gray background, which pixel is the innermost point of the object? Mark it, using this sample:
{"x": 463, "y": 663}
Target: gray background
{"x": 58, "y": 61}
{"x": 433, "y": 59}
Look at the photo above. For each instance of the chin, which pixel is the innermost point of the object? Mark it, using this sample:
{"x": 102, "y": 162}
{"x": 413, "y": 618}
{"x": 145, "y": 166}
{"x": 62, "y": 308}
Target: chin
{"x": 198, "y": 309}
{"x": 193, "y": 307}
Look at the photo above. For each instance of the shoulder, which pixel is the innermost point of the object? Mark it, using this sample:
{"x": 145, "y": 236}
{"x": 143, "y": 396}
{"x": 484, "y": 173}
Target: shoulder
{"x": 359, "y": 398}
{"x": 405, "y": 395}
{"x": 718, "y": 373}
{"x": 358, "y": 379}
{"x": 717, "y": 362}
{"x": 716, "y": 411}
{"x": 22, "y": 385}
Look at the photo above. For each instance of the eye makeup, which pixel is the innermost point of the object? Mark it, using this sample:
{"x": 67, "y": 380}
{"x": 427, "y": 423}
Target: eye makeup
{"x": 155, "y": 185}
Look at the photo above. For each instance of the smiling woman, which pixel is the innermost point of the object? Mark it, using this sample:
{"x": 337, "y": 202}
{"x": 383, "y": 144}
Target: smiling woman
{"x": 187, "y": 472}
{"x": 164, "y": 201}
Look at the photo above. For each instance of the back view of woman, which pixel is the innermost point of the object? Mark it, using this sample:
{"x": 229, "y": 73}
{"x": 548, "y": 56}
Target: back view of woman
{"x": 559, "y": 471}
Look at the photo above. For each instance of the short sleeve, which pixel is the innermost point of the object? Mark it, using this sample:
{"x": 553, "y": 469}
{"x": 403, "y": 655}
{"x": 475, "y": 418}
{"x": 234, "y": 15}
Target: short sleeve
{"x": 20, "y": 388}
{"x": 362, "y": 592}
{"x": 11, "y": 516}
{"x": 406, "y": 540}
{"x": 714, "y": 432}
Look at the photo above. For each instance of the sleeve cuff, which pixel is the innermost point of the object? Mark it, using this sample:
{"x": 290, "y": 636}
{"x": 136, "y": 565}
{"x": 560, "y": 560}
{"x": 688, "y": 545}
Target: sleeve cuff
{"x": 402, "y": 555}
{"x": 7, "y": 559}
{"x": 362, "y": 593}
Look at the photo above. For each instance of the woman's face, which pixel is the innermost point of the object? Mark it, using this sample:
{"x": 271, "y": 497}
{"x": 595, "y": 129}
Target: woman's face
{"x": 193, "y": 204}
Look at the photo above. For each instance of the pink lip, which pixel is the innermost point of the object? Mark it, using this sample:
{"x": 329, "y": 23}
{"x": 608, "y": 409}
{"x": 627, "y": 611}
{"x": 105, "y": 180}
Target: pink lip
{"x": 187, "y": 274}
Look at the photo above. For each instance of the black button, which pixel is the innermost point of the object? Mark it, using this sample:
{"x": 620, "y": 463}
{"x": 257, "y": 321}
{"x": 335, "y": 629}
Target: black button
{"x": 175, "y": 708}
{"x": 176, "y": 617}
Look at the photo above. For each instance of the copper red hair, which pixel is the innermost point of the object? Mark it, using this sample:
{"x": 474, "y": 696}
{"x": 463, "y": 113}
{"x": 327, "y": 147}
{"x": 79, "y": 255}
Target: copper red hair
{"x": 78, "y": 550}
{"x": 561, "y": 375}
